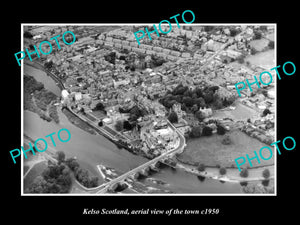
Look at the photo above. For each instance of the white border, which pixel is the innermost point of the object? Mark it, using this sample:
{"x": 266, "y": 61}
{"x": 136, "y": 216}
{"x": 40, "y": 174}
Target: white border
{"x": 148, "y": 24}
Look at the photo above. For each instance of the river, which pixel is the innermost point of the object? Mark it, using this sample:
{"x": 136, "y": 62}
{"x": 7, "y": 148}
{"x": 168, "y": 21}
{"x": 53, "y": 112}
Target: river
{"x": 92, "y": 150}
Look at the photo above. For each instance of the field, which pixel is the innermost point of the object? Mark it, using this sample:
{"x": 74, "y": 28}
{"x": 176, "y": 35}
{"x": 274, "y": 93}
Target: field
{"x": 260, "y": 44}
{"x": 264, "y": 59}
{"x": 211, "y": 152}
{"x": 241, "y": 112}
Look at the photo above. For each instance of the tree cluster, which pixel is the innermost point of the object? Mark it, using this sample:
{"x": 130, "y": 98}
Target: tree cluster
{"x": 53, "y": 113}
{"x": 42, "y": 98}
{"x": 31, "y": 85}
{"x": 244, "y": 173}
{"x": 234, "y": 31}
{"x": 173, "y": 118}
{"x": 111, "y": 57}
{"x": 99, "y": 106}
{"x": 198, "y": 131}
{"x": 54, "y": 179}
{"x": 199, "y": 97}
{"x": 156, "y": 61}
{"x": 27, "y": 34}
{"x": 119, "y": 125}
{"x": 226, "y": 140}
{"x": 257, "y": 34}
{"x": 135, "y": 112}
{"x": 82, "y": 175}
{"x": 48, "y": 65}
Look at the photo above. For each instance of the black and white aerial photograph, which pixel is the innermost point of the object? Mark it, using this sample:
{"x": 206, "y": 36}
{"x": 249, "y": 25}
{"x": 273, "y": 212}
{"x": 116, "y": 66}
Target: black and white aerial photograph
{"x": 123, "y": 112}
{"x": 144, "y": 109}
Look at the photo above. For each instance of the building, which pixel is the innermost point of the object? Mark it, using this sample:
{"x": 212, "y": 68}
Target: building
{"x": 207, "y": 112}
{"x": 64, "y": 94}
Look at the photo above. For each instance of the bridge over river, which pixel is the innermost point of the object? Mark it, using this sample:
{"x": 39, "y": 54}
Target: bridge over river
{"x": 181, "y": 144}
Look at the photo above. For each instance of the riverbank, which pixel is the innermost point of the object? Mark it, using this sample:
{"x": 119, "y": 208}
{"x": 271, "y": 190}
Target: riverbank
{"x": 211, "y": 150}
{"x": 232, "y": 175}
{"x": 78, "y": 122}
{"x": 255, "y": 183}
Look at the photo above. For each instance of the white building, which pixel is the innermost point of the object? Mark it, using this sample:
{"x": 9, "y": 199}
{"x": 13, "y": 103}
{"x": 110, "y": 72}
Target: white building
{"x": 64, "y": 94}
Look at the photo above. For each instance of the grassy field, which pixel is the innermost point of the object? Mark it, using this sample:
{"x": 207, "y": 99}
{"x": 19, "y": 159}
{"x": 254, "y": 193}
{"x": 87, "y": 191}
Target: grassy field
{"x": 211, "y": 152}
{"x": 260, "y": 44}
{"x": 265, "y": 59}
{"x": 241, "y": 112}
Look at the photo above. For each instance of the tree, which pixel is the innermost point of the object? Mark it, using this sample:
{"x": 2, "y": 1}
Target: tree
{"x": 83, "y": 177}
{"x": 199, "y": 115}
{"x": 194, "y": 108}
{"x": 213, "y": 88}
{"x": 94, "y": 182}
{"x": 188, "y": 93}
{"x": 173, "y": 118}
{"x": 266, "y": 173}
{"x": 208, "y": 28}
{"x": 27, "y": 34}
{"x": 208, "y": 97}
{"x": 266, "y": 112}
{"x": 253, "y": 51}
{"x": 198, "y": 91}
{"x": 54, "y": 179}
{"x": 82, "y": 110}
{"x": 240, "y": 59}
{"x": 119, "y": 125}
{"x": 257, "y": 34}
{"x": 72, "y": 164}
{"x": 132, "y": 68}
{"x": 220, "y": 129}
{"x": 264, "y": 28}
{"x": 60, "y": 155}
{"x": 265, "y": 182}
{"x": 201, "y": 167}
{"x": 196, "y": 131}
{"x": 200, "y": 102}
{"x": 222, "y": 171}
{"x": 226, "y": 140}
{"x": 127, "y": 125}
{"x": 111, "y": 57}
{"x": 99, "y": 106}
{"x": 48, "y": 65}
{"x": 243, "y": 183}
{"x": 188, "y": 101}
{"x": 244, "y": 173}
{"x": 218, "y": 103}
{"x": 233, "y": 32}
{"x": 207, "y": 131}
